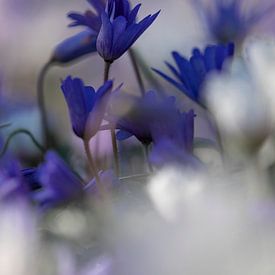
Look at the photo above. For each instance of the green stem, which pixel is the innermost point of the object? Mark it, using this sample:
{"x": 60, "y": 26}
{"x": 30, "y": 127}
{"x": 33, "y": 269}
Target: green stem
{"x": 146, "y": 153}
{"x": 107, "y": 68}
{"x": 113, "y": 134}
{"x": 17, "y": 132}
{"x": 42, "y": 106}
{"x": 137, "y": 71}
{"x": 91, "y": 162}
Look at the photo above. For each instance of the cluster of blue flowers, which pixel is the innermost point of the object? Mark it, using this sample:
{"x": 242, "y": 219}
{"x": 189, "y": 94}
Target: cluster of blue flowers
{"x": 162, "y": 127}
{"x": 110, "y": 29}
{"x": 167, "y": 133}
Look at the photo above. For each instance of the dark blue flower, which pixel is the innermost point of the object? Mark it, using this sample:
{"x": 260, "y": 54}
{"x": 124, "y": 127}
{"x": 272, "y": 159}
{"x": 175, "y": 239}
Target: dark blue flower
{"x": 86, "y": 106}
{"x": 190, "y": 75}
{"x": 58, "y": 183}
{"x": 229, "y": 21}
{"x": 119, "y": 29}
{"x": 74, "y": 47}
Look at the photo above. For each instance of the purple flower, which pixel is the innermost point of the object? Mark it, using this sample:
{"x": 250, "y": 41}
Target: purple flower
{"x": 153, "y": 118}
{"x": 86, "y": 106}
{"x": 190, "y": 75}
{"x": 119, "y": 29}
{"x": 229, "y": 21}
{"x": 58, "y": 183}
{"x": 74, "y": 47}
{"x": 91, "y": 19}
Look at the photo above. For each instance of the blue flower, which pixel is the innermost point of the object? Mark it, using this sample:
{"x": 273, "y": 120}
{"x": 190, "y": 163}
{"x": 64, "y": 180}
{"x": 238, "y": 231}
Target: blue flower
{"x": 91, "y": 19}
{"x": 86, "y": 106}
{"x": 190, "y": 75}
{"x": 153, "y": 118}
{"x": 74, "y": 47}
{"x": 58, "y": 183}
{"x": 227, "y": 21}
{"x": 119, "y": 29}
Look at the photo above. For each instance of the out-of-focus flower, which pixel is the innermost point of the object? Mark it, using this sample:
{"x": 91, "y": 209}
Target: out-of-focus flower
{"x": 86, "y": 106}
{"x": 91, "y": 19}
{"x": 154, "y": 119}
{"x": 19, "y": 239}
{"x": 232, "y": 20}
{"x": 74, "y": 47}
{"x": 149, "y": 118}
{"x": 191, "y": 74}
{"x": 58, "y": 183}
{"x": 242, "y": 110}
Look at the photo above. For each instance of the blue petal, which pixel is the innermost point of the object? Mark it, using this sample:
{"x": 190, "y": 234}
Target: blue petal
{"x": 80, "y": 101}
{"x": 105, "y": 38}
{"x": 74, "y": 47}
{"x": 97, "y": 114}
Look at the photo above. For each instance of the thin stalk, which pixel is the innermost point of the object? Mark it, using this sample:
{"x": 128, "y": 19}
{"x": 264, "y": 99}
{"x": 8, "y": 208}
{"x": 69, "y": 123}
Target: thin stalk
{"x": 42, "y": 105}
{"x": 115, "y": 152}
{"x": 107, "y": 70}
{"x": 137, "y": 71}
{"x": 146, "y": 153}
{"x": 113, "y": 135}
{"x": 135, "y": 177}
{"x": 91, "y": 163}
{"x": 17, "y": 132}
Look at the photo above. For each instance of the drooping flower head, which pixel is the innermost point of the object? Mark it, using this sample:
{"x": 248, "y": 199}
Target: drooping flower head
{"x": 232, "y": 20}
{"x": 189, "y": 75}
{"x": 119, "y": 29}
{"x": 86, "y": 106}
{"x": 74, "y": 47}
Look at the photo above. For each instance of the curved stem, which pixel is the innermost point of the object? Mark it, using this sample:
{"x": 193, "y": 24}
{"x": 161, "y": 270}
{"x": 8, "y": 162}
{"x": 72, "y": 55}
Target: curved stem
{"x": 5, "y": 125}
{"x": 113, "y": 134}
{"x": 42, "y": 105}
{"x": 137, "y": 71}
{"x": 91, "y": 162}
{"x": 21, "y": 131}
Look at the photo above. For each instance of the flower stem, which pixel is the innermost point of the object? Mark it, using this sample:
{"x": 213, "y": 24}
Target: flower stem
{"x": 113, "y": 135}
{"x": 91, "y": 162}
{"x": 17, "y": 132}
{"x": 137, "y": 71}
{"x": 146, "y": 153}
{"x": 42, "y": 106}
{"x": 107, "y": 70}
